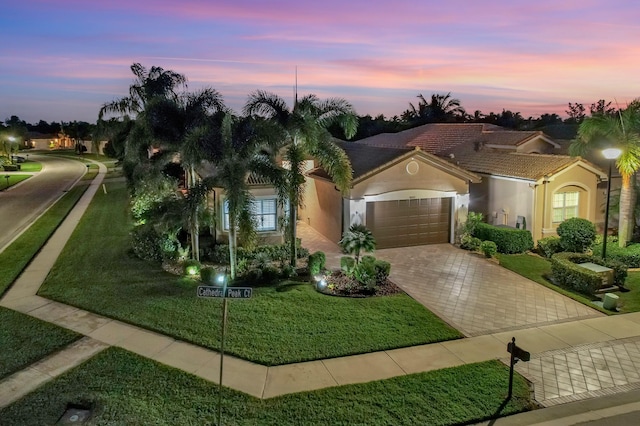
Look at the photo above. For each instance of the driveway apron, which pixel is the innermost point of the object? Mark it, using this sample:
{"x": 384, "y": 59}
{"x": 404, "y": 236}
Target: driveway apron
{"x": 471, "y": 293}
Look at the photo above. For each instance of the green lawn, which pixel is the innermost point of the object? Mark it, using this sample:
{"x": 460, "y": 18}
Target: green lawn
{"x": 537, "y": 268}
{"x": 13, "y": 179}
{"x": 30, "y": 166}
{"x": 18, "y": 255}
{"x": 25, "y": 339}
{"x": 279, "y": 325}
{"x": 123, "y": 388}
{"x": 630, "y": 301}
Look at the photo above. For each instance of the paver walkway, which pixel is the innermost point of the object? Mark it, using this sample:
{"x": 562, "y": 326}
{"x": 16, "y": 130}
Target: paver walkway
{"x": 551, "y": 345}
{"x": 473, "y": 294}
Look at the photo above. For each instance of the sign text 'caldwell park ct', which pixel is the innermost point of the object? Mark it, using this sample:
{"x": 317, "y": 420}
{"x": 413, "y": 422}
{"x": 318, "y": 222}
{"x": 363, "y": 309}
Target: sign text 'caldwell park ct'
{"x": 227, "y": 292}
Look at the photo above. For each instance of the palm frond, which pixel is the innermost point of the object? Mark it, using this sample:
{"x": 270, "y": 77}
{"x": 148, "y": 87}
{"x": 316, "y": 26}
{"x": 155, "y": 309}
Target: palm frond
{"x": 267, "y": 105}
{"x": 335, "y": 162}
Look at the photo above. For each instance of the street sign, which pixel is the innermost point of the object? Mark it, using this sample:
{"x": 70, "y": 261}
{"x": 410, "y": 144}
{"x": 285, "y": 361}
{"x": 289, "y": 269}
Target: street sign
{"x": 518, "y": 352}
{"x": 226, "y": 292}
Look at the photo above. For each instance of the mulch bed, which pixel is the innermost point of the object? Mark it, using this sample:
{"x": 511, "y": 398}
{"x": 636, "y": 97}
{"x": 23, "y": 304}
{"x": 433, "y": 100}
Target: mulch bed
{"x": 339, "y": 284}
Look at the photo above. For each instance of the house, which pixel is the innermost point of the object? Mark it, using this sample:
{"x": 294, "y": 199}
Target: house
{"x": 405, "y": 196}
{"x": 41, "y": 141}
{"x": 416, "y": 186}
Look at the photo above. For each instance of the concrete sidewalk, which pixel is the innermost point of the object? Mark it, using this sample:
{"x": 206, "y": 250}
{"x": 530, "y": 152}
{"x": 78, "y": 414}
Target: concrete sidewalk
{"x": 617, "y": 333}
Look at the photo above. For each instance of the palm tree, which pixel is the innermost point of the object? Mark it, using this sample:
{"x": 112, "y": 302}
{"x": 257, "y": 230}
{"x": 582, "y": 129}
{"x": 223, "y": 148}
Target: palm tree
{"x": 357, "y": 239}
{"x": 238, "y": 148}
{"x": 148, "y": 84}
{"x": 439, "y": 109}
{"x": 177, "y": 123}
{"x": 622, "y": 131}
{"x": 305, "y": 134}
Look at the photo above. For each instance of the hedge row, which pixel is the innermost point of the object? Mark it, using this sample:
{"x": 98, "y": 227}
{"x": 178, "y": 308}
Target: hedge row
{"x": 508, "y": 240}
{"x": 567, "y": 273}
{"x": 629, "y": 255}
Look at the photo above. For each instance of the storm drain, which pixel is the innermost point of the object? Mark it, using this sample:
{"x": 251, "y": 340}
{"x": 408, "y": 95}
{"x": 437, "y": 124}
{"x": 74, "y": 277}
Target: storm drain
{"x": 75, "y": 415}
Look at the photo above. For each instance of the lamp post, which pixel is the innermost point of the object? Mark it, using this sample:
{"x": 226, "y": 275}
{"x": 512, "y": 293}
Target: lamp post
{"x": 610, "y": 154}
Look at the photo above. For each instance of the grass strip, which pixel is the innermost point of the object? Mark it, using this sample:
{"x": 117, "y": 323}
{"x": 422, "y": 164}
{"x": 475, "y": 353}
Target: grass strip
{"x": 13, "y": 179}
{"x": 123, "y": 388}
{"x": 279, "y": 325}
{"x": 25, "y": 339}
{"x": 17, "y": 256}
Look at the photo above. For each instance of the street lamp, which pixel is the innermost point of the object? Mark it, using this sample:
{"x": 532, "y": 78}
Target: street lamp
{"x": 610, "y": 154}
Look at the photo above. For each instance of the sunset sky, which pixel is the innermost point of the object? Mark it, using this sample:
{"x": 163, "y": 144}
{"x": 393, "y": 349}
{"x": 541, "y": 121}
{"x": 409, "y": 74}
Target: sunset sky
{"x": 62, "y": 59}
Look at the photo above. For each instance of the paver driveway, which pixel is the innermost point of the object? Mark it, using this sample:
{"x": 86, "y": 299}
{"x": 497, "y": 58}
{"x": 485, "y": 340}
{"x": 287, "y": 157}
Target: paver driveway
{"x": 473, "y": 294}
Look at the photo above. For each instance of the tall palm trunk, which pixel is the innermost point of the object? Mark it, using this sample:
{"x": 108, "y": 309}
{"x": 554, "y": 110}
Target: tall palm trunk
{"x": 293, "y": 217}
{"x": 232, "y": 245}
{"x": 627, "y": 203}
{"x": 194, "y": 225}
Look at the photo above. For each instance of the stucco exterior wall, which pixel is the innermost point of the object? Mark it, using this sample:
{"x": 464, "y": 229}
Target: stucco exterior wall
{"x": 399, "y": 177}
{"x": 322, "y": 208}
{"x": 502, "y": 200}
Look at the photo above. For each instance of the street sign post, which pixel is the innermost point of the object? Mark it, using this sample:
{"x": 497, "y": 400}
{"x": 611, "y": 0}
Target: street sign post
{"x": 225, "y": 293}
{"x": 516, "y": 355}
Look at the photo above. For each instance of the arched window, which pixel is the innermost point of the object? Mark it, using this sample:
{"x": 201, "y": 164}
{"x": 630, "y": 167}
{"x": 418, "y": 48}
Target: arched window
{"x": 565, "y": 205}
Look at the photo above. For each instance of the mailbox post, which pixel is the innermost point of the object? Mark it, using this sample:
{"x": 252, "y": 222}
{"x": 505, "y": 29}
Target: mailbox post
{"x": 517, "y": 354}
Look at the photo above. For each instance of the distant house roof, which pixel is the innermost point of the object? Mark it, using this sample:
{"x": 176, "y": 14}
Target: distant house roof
{"x": 444, "y": 138}
{"x": 518, "y": 165}
{"x": 38, "y": 135}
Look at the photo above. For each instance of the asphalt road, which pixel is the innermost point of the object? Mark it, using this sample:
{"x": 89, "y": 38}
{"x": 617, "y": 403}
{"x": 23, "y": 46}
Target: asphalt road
{"x": 20, "y": 205}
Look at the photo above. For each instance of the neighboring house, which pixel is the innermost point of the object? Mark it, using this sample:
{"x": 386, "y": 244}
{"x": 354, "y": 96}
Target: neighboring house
{"x": 420, "y": 196}
{"x": 41, "y": 141}
{"x": 405, "y": 196}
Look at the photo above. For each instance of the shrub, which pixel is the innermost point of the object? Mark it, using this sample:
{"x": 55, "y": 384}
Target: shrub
{"x": 548, "y": 246}
{"x": 470, "y": 242}
{"x": 146, "y": 243}
{"x": 473, "y": 219}
{"x": 576, "y": 235}
{"x": 489, "y": 248}
{"x": 288, "y": 271}
{"x": 347, "y": 264}
{"x": 567, "y": 274}
{"x": 383, "y": 269}
{"x": 191, "y": 267}
{"x": 316, "y": 263}
{"x": 508, "y": 240}
{"x": 629, "y": 255}
{"x": 365, "y": 272}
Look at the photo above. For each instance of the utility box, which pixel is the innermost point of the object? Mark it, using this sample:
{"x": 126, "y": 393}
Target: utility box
{"x": 610, "y": 301}
{"x": 605, "y": 273}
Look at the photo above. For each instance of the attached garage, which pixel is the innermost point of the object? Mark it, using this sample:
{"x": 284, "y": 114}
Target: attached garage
{"x": 405, "y": 197}
{"x": 412, "y": 222}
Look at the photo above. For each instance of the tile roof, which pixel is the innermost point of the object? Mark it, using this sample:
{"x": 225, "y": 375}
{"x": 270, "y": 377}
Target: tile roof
{"x": 365, "y": 159}
{"x": 442, "y": 138}
{"x": 513, "y": 164}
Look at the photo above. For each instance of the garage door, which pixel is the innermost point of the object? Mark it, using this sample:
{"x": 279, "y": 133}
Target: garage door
{"x": 412, "y": 222}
